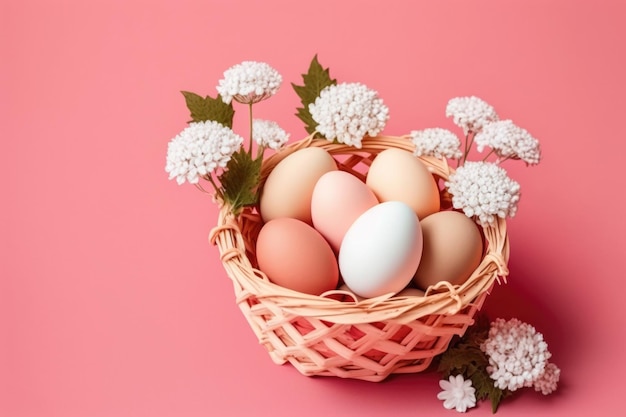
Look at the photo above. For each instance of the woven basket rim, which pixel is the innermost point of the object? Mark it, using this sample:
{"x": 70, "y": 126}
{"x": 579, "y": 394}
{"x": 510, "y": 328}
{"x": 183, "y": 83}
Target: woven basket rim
{"x": 442, "y": 298}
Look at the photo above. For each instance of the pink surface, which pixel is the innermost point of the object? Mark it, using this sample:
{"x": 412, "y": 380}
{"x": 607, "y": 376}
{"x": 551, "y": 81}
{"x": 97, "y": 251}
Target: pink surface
{"x": 112, "y": 303}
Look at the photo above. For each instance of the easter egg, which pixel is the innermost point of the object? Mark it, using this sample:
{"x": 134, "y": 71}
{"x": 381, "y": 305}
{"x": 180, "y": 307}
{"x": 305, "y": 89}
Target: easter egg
{"x": 294, "y": 255}
{"x": 381, "y": 251}
{"x": 397, "y": 175}
{"x": 289, "y": 187}
{"x": 453, "y": 249}
{"x": 338, "y": 199}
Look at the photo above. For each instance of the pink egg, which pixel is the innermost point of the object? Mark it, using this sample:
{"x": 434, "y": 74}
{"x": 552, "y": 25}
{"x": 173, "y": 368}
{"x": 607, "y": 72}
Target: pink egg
{"x": 338, "y": 199}
{"x": 294, "y": 255}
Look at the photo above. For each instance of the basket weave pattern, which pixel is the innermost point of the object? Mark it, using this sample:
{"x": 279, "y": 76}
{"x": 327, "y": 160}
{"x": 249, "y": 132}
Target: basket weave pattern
{"x": 370, "y": 339}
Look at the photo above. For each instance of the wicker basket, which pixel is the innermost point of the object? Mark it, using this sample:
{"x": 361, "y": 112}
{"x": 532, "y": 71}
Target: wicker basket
{"x": 370, "y": 339}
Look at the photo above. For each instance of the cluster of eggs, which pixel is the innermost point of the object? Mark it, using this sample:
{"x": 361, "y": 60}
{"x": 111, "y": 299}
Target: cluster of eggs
{"x": 324, "y": 228}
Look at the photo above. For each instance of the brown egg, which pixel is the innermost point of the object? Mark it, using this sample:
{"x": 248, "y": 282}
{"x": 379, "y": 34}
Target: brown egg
{"x": 453, "y": 249}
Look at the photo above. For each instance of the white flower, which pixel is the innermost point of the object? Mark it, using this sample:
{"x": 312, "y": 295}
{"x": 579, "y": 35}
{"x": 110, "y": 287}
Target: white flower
{"x": 517, "y": 353}
{"x": 199, "y": 149}
{"x": 349, "y": 111}
{"x": 547, "y": 383}
{"x": 484, "y": 190}
{"x": 267, "y": 133}
{"x": 470, "y": 113}
{"x": 437, "y": 142}
{"x": 249, "y": 82}
{"x": 509, "y": 141}
{"x": 457, "y": 393}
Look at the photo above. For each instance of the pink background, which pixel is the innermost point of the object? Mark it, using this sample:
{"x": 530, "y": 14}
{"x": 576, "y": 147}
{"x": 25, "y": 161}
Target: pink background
{"x": 112, "y": 302}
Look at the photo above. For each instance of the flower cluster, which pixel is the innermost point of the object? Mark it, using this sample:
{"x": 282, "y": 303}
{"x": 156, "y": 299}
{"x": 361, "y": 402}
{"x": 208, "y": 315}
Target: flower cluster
{"x": 509, "y": 141}
{"x": 269, "y": 134}
{"x": 484, "y": 190}
{"x": 437, "y": 142}
{"x": 249, "y": 82}
{"x": 458, "y": 393}
{"x": 349, "y": 111}
{"x": 518, "y": 357}
{"x": 481, "y": 189}
{"x": 199, "y": 149}
{"x": 470, "y": 113}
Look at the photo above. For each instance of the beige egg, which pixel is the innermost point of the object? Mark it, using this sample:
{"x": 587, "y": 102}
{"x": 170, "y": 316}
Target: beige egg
{"x": 398, "y": 175}
{"x": 453, "y": 249}
{"x": 289, "y": 187}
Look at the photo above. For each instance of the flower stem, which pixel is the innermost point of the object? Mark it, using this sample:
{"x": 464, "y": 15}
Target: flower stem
{"x": 466, "y": 150}
{"x": 259, "y": 151}
{"x": 250, "y": 148}
{"x": 469, "y": 141}
{"x": 488, "y": 155}
{"x": 215, "y": 187}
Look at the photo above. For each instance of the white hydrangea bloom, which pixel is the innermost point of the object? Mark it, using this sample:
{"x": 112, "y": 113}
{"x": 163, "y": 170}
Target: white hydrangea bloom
{"x": 517, "y": 353}
{"x": 249, "y": 82}
{"x": 269, "y": 134}
{"x": 470, "y": 113}
{"x": 509, "y": 141}
{"x": 484, "y": 190}
{"x": 457, "y": 393}
{"x": 199, "y": 149}
{"x": 548, "y": 382}
{"x": 437, "y": 142}
{"x": 349, "y": 111}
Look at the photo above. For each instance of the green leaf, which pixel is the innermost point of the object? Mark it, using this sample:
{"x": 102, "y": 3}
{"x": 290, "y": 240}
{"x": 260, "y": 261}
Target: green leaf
{"x": 459, "y": 358}
{"x": 315, "y": 80}
{"x": 485, "y": 388}
{"x": 240, "y": 180}
{"x": 208, "y": 108}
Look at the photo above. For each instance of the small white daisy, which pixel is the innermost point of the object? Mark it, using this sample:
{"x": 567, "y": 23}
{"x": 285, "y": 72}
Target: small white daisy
{"x": 199, "y": 149}
{"x": 470, "y": 113}
{"x": 269, "y": 134}
{"x": 348, "y": 112}
{"x": 437, "y": 142}
{"x": 457, "y": 393}
{"x": 509, "y": 141}
{"x": 249, "y": 82}
{"x": 484, "y": 190}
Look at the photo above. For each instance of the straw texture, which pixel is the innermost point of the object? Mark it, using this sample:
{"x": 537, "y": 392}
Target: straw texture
{"x": 370, "y": 339}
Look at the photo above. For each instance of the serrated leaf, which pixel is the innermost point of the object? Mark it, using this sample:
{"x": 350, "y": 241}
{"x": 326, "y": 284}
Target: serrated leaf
{"x": 240, "y": 180}
{"x": 208, "y": 108}
{"x": 482, "y": 382}
{"x": 314, "y": 81}
{"x": 458, "y": 358}
{"x": 305, "y": 116}
{"x": 485, "y": 388}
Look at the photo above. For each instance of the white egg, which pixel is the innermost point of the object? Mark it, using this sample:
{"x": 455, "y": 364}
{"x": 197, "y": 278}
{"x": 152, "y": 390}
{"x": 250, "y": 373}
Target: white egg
{"x": 381, "y": 251}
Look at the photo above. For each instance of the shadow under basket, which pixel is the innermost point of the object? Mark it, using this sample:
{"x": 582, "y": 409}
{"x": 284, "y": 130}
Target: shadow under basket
{"x": 370, "y": 339}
